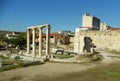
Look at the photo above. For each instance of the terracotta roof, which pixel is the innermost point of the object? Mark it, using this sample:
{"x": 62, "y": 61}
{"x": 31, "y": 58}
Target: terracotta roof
{"x": 51, "y": 35}
{"x": 44, "y": 35}
{"x": 114, "y": 29}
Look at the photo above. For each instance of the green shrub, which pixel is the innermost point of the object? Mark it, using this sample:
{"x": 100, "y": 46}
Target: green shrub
{"x": 63, "y": 56}
{"x": 97, "y": 57}
{"x": 3, "y": 57}
{"x": 25, "y": 64}
{"x": 7, "y": 62}
{"x": 17, "y": 63}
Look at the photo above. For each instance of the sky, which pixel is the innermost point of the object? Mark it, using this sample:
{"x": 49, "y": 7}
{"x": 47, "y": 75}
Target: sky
{"x": 17, "y": 15}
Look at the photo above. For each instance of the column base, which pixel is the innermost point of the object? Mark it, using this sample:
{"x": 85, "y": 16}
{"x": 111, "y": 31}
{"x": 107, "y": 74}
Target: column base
{"x": 46, "y": 57}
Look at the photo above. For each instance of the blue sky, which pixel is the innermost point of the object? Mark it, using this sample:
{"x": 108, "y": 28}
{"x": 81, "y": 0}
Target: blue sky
{"x": 17, "y": 15}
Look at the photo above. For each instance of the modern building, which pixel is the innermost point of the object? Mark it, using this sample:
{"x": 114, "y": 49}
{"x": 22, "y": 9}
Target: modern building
{"x": 90, "y": 22}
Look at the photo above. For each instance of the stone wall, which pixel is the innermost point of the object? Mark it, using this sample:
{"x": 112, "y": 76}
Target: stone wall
{"x": 102, "y": 39}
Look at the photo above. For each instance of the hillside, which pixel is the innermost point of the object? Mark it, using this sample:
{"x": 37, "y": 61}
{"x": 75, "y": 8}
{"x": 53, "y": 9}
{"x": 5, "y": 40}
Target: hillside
{"x": 4, "y": 32}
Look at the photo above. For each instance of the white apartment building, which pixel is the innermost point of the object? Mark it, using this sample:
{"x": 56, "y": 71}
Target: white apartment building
{"x": 90, "y": 22}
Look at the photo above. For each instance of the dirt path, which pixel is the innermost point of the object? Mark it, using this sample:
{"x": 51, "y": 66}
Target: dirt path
{"x": 50, "y": 69}
{"x": 45, "y": 70}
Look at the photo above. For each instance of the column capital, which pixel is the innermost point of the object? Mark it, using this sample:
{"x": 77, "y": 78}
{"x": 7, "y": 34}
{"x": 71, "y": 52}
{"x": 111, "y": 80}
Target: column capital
{"x": 40, "y": 27}
{"x": 48, "y": 27}
{"x": 28, "y": 29}
{"x": 33, "y": 28}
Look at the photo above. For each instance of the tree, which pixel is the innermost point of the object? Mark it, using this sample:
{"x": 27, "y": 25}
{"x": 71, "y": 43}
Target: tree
{"x": 20, "y": 40}
{"x": 5, "y": 39}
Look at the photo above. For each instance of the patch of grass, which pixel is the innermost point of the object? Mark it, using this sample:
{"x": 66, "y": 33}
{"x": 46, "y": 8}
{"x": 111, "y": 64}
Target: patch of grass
{"x": 114, "y": 56}
{"x": 63, "y": 56}
{"x": 17, "y": 64}
{"x": 113, "y": 71}
{"x": 103, "y": 73}
{"x": 25, "y": 64}
{"x": 3, "y": 57}
{"x": 114, "y": 52}
{"x": 7, "y": 63}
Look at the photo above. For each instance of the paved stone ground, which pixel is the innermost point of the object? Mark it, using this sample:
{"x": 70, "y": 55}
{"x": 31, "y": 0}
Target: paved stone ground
{"x": 52, "y": 69}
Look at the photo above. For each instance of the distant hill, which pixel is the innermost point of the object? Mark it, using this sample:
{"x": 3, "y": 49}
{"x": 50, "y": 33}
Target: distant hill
{"x": 4, "y": 32}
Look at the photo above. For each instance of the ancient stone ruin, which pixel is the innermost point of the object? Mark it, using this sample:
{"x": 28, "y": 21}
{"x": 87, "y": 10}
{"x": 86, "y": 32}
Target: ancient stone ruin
{"x": 39, "y": 29}
{"x": 102, "y": 39}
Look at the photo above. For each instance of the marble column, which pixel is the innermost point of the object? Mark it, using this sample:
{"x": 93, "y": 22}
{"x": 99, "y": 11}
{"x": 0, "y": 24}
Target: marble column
{"x": 28, "y": 41}
{"x": 40, "y": 42}
{"x": 47, "y": 39}
{"x": 33, "y": 43}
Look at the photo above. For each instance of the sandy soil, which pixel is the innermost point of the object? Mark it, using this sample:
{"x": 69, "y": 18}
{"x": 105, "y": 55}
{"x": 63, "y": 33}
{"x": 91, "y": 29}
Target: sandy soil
{"x": 51, "y": 69}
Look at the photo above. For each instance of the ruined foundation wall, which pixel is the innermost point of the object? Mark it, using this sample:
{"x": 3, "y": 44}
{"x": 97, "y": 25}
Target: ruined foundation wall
{"x": 102, "y": 39}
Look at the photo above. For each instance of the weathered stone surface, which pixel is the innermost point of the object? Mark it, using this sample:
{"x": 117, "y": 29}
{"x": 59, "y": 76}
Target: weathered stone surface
{"x": 102, "y": 39}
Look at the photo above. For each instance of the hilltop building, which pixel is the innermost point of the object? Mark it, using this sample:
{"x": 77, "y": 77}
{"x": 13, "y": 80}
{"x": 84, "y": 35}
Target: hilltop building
{"x": 90, "y": 22}
{"x": 14, "y": 35}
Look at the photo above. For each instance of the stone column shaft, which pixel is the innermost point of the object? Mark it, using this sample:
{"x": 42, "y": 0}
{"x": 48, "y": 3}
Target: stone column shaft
{"x": 47, "y": 39}
{"x": 40, "y": 42}
{"x": 28, "y": 41}
{"x": 33, "y": 43}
